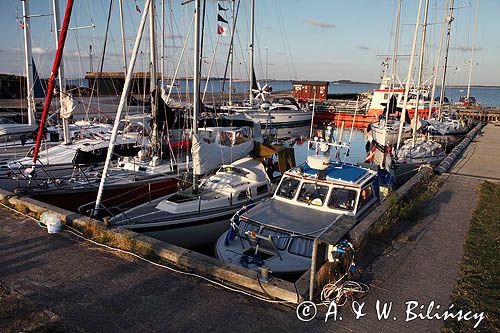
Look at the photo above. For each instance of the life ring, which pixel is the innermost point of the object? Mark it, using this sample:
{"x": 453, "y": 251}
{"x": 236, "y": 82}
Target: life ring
{"x": 370, "y": 157}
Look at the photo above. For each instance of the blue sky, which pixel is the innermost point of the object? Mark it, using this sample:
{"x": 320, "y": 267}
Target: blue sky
{"x": 295, "y": 39}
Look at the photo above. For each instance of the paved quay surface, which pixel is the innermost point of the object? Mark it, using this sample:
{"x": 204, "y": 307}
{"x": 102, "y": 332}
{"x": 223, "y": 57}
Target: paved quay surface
{"x": 67, "y": 284}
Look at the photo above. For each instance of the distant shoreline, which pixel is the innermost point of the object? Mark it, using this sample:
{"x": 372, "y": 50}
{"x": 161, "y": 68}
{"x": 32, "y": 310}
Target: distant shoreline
{"x": 7, "y": 76}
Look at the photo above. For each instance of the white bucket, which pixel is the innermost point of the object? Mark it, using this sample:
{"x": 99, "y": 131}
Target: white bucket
{"x": 52, "y": 221}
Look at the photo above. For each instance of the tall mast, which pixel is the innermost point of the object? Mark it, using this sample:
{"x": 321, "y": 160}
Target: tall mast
{"x": 62, "y": 83}
{"x": 232, "y": 27}
{"x": 28, "y": 62}
{"x": 420, "y": 69}
{"x": 121, "y": 105}
{"x": 53, "y": 73}
{"x": 252, "y": 23}
{"x": 153, "y": 77}
{"x": 445, "y": 66}
{"x": 196, "y": 78}
{"x": 122, "y": 31}
{"x": 436, "y": 66}
{"x": 410, "y": 72}
{"x": 162, "y": 56}
{"x": 472, "y": 51}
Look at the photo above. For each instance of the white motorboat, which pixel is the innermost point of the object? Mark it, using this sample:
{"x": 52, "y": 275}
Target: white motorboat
{"x": 279, "y": 232}
{"x": 191, "y": 220}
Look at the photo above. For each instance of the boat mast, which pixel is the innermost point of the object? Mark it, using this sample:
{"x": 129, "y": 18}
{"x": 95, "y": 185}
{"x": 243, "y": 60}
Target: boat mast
{"x": 232, "y": 27}
{"x": 436, "y": 66}
{"x": 472, "y": 51}
{"x": 252, "y": 23}
{"x": 449, "y": 19}
{"x": 153, "y": 78}
{"x": 62, "y": 83}
{"x": 408, "y": 78}
{"x": 121, "y": 105}
{"x": 162, "y": 56}
{"x": 420, "y": 70}
{"x": 122, "y": 31}
{"x": 53, "y": 74}
{"x": 28, "y": 62}
{"x": 196, "y": 78}
{"x": 394, "y": 61}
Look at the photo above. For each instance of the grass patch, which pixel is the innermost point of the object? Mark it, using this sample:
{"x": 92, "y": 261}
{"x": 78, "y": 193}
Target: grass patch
{"x": 478, "y": 288}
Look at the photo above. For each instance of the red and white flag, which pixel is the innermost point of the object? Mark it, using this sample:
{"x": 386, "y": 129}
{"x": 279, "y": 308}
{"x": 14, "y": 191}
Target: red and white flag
{"x": 221, "y": 30}
{"x": 21, "y": 24}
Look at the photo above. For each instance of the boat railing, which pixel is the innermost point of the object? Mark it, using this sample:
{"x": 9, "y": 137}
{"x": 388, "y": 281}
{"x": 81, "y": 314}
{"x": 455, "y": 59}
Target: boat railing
{"x": 136, "y": 194}
{"x": 21, "y": 171}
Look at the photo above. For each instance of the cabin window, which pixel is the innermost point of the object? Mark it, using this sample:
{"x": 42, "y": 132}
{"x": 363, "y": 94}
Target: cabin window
{"x": 243, "y": 195}
{"x": 313, "y": 194}
{"x": 301, "y": 246}
{"x": 261, "y": 189}
{"x": 342, "y": 198}
{"x": 386, "y": 96}
{"x": 365, "y": 196}
{"x": 279, "y": 239}
{"x": 288, "y": 188}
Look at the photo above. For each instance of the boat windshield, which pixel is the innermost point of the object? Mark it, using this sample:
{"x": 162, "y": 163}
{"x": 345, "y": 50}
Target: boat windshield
{"x": 312, "y": 193}
{"x": 342, "y": 198}
{"x": 288, "y": 188}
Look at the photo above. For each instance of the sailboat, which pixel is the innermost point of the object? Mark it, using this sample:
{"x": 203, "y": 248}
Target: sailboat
{"x": 422, "y": 150}
{"x": 279, "y": 232}
{"x": 448, "y": 122}
{"x": 385, "y": 130}
{"x": 199, "y": 214}
{"x": 280, "y": 115}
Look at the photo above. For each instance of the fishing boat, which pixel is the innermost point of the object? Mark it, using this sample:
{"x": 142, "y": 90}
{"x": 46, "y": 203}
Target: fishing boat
{"x": 194, "y": 219}
{"x": 279, "y": 232}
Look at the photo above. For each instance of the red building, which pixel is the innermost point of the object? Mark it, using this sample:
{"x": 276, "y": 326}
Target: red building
{"x": 309, "y": 90}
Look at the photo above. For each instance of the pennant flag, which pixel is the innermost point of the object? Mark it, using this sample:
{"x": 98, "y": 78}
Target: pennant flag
{"x": 221, "y": 30}
{"x": 221, "y": 19}
{"x": 221, "y": 8}
{"x": 137, "y": 8}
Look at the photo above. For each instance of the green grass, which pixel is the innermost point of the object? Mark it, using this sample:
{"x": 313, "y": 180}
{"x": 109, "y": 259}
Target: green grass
{"x": 478, "y": 288}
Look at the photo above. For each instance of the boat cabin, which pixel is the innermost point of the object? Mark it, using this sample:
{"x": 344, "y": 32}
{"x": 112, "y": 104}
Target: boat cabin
{"x": 280, "y": 232}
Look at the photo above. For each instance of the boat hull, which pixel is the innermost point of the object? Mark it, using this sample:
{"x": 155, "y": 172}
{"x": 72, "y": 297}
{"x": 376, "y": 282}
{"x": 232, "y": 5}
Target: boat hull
{"x": 361, "y": 119}
{"x": 115, "y": 196}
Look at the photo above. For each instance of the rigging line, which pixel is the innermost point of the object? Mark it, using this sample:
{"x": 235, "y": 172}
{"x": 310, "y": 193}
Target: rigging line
{"x": 105, "y": 37}
{"x": 231, "y": 46}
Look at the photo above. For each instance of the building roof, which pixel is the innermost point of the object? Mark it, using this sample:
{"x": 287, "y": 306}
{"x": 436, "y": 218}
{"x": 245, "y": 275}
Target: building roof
{"x": 315, "y": 83}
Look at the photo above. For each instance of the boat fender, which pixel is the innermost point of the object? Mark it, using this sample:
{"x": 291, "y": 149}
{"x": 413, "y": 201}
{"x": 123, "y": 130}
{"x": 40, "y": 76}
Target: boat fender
{"x": 231, "y": 233}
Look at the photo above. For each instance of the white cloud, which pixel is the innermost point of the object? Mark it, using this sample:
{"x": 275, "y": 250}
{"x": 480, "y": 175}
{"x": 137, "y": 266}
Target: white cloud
{"x": 316, "y": 23}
